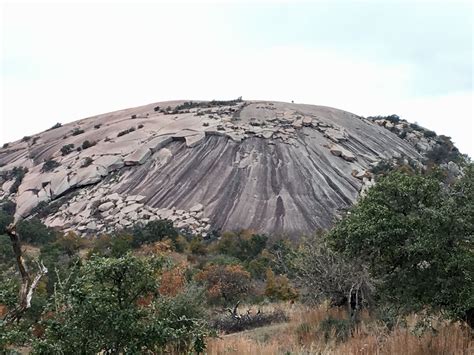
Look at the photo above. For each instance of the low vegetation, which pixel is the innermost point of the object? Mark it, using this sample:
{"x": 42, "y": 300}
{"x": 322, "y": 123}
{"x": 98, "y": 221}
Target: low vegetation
{"x": 394, "y": 275}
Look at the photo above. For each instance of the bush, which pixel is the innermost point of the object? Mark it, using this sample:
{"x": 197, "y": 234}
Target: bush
{"x": 133, "y": 117}
{"x": 127, "y": 131}
{"x": 279, "y": 288}
{"x": 416, "y": 237}
{"x": 153, "y": 231}
{"x": 87, "y": 144}
{"x": 35, "y": 232}
{"x": 17, "y": 173}
{"x": 66, "y": 149}
{"x": 76, "y": 131}
{"x": 97, "y": 126}
{"x": 225, "y": 283}
{"x": 110, "y": 305}
{"x": 87, "y": 161}
{"x": 140, "y": 126}
{"x": 5, "y": 145}
{"x": 49, "y": 165}
{"x": 244, "y": 245}
{"x": 57, "y": 125}
{"x": 25, "y": 138}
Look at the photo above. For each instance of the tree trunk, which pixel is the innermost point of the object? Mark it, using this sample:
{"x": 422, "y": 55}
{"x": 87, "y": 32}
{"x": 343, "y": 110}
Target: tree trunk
{"x": 28, "y": 285}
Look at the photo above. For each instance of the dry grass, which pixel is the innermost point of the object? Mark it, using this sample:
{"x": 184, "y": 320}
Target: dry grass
{"x": 302, "y": 335}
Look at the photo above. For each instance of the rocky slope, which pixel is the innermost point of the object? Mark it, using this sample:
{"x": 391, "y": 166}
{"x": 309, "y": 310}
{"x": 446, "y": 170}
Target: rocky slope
{"x": 270, "y": 166}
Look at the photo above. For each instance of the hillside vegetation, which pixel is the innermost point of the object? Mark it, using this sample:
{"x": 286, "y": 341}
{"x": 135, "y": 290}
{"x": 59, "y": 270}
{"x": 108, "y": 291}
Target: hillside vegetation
{"x": 394, "y": 275}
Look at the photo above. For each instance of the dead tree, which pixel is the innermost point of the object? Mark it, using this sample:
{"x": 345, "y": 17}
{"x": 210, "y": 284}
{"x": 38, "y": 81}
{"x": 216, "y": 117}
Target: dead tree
{"x": 28, "y": 283}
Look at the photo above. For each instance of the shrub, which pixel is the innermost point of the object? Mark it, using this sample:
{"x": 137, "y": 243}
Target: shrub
{"x": 140, "y": 126}
{"x": 102, "y": 308}
{"x": 57, "y": 125}
{"x": 25, "y": 138}
{"x": 76, "y": 131}
{"x": 279, "y": 288}
{"x": 244, "y": 245}
{"x": 5, "y": 145}
{"x": 97, "y": 126}
{"x": 49, "y": 165}
{"x": 87, "y": 144}
{"x": 87, "y": 161}
{"x": 66, "y": 149}
{"x": 35, "y": 232}
{"x": 429, "y": 134}
{"x": 133, "y": 117}
{"x": 404, "y": 230}
{"x": 156, "y": 108}
{"x": 153, "y": 231}
{"x": 225, "y": 283}
{"x": 127, "y": 131}
{"x": 17, "y": 173}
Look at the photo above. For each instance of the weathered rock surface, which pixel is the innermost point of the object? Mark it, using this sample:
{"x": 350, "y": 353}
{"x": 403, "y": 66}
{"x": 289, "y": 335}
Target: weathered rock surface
{"x": 270, "y": 166}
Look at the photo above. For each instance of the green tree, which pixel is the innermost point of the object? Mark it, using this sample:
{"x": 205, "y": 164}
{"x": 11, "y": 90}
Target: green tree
{"x": 416, "y": 235}
{"x": 113, "y": 305}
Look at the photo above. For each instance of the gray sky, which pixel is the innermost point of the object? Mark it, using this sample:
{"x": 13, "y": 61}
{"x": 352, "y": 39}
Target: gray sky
{"x": 64, "y": 62}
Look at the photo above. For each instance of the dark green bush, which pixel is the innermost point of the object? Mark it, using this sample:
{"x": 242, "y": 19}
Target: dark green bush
{"x": 49, "y": 165}
{"x": 87, "y": 144}
{"x": 35, "y": 232}
{"x": 66, "y": 149}
{"x": 57, "y": 125}
{"x": 153, "y": 231}
{"x": 76, "y": 131}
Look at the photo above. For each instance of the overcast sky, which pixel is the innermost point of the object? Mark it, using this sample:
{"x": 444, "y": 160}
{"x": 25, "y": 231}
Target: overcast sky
{"x": 64, "y": 62}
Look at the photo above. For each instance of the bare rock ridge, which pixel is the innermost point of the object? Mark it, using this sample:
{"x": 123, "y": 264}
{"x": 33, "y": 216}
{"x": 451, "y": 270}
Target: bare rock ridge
{"x": 270, "y": 166}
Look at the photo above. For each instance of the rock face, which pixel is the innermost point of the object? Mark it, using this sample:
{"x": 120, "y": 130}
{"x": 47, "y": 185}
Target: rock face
{"x": 270, "y": 166}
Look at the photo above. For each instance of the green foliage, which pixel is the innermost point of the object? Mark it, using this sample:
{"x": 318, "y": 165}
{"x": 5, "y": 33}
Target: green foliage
{"x": 17, "y": 173}
{"x": 57, "y": 125}
{"x": 5, "y": 220}
{"x": 49, "y": 165}
{"x": 7, "y": 256}
{"x": 417, "y": 238}
{"x": 127, "y": 131}
{"x": 76, "y": 131}
{"x": 153, "y": 231}
{"x": 244, "y": 246}
{"x": 87, "y": 144}
{"x": 66, "y": 149}
{"x": 103, "y": 309}
{"x": 35, "y": 232}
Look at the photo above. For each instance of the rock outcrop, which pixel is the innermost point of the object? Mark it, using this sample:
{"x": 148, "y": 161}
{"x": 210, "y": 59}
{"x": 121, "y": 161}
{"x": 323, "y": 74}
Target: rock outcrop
{"x": 270, "y": 166}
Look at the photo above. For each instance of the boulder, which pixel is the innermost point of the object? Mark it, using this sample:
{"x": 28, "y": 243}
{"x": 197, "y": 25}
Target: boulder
{"x": 110, "y": 162}
{"x": 192, "y": 141}
{"x": 59, "y": 183}
{"x": 307, "y": 121}
{"x": 335, "y": 135}
{"x": 77, "y": 207}
{"x": 25, "y": 203}
{"x": 197, "y": 208}
{"x": 89, "y": 175}
{"x": 138, "y": 157}
{"x": 106, "y": 206}
{"x": 159, "y": 142}
{"x": 113, "y": 197}
{"x": 131, "y": 208}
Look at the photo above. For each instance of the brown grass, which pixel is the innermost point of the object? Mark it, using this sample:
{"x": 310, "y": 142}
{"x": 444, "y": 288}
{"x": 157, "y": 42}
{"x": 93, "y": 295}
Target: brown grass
{"x": 301, "y": 335}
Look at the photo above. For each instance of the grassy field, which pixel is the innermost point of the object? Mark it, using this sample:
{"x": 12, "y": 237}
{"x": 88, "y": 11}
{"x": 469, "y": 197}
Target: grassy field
{"x": 303, "y": 335}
